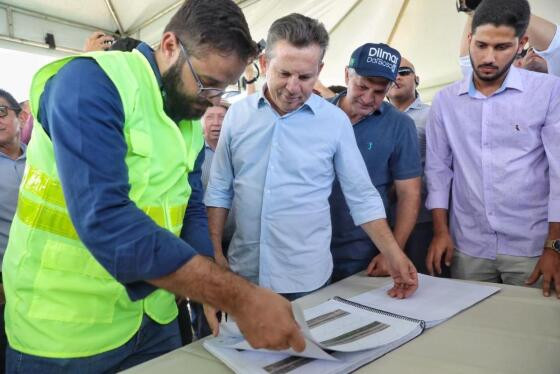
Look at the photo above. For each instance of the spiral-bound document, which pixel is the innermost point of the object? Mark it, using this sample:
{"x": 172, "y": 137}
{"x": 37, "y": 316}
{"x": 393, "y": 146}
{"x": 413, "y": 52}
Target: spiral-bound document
{"x": 343, "y": 335}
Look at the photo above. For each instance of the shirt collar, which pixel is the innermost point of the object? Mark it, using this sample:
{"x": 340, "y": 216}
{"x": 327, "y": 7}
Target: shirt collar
{"x": 334, "y": 100}
{"x": 513, "y": 81}
{"x": 23, "y": 152}
{"x": 148, "y": 52}
{"x": 311, "y": 104}
{"x": 416, "y": 104}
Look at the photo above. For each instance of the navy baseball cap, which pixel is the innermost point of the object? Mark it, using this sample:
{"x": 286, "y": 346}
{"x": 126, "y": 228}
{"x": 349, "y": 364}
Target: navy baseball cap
{"x": 376, "y": 60}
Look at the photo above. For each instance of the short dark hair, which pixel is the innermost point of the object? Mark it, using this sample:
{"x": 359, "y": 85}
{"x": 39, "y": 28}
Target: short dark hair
{"x": 298, "y": 30}
{"x": 126, "y": 44}
{"x": 12, "y": 102}
{"x": 512, "y": 13}
{"x": 337, "y": 89}
{"x": 215, "y": 24}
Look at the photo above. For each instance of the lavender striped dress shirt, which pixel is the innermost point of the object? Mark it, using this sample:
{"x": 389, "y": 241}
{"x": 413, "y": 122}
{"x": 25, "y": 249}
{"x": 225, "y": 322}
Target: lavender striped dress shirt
{"x": 496, "y": 161}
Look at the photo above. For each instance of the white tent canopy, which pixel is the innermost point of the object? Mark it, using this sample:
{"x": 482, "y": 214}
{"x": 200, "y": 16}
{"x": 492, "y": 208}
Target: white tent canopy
{"x": 426, "y": 31}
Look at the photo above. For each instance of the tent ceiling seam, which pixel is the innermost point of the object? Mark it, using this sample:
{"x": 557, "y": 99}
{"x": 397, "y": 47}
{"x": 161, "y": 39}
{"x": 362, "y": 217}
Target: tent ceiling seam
{"x": 155, "y": 17}
{"x": 10, "y": 21}
{"x": 115, "y": 16}
{"x": 37, "y": 44}
{"x": 16, "y": 9}
{"x": 397, "y": 22}
{"x": 341, "y": 19}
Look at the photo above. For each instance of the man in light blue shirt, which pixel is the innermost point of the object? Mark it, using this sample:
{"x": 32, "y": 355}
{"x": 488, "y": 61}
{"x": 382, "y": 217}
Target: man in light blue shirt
{"x": 276, "y": 159}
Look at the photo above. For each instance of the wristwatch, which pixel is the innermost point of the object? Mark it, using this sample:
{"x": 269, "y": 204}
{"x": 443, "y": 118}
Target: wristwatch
{"x": 553, "y": 244}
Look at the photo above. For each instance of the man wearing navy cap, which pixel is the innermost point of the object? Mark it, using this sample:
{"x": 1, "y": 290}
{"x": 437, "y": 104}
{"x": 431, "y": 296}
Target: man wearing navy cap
{"x": 389, "y": 145}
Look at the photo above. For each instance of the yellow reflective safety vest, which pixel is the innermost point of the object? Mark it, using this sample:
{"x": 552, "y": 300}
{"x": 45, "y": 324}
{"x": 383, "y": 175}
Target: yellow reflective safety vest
{"x": 61, "y": 302}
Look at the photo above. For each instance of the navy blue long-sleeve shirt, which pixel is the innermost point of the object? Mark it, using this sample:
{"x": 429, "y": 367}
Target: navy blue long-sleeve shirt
{"x": 81, "y": 111}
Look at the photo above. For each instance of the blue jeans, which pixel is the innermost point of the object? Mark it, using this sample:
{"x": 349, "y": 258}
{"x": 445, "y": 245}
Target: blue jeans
{"x": 151, "y": 340}
{"x": 296, "y": 295}
{"x": 344, "y": 268}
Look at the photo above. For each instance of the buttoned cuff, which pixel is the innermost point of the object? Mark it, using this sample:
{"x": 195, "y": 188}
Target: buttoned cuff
{"x": 554, "y": 210}
{"x": 437, "y": 200}
{"x": 216, "y": 200}
{"x": 369, "y": 215}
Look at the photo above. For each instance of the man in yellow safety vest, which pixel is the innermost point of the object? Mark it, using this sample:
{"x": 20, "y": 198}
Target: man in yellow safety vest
{"x": 94, "y": 260}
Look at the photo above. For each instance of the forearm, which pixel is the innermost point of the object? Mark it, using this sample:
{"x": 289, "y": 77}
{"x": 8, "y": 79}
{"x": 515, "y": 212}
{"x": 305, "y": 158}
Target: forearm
{"x": 381, "y": 235}
{"x": 464, "y": 46}
{"x": 216, "y": 222}
{"x": 250, "y": 75}
{"x": 553, "y": 230}
{"x": 323, "y": 90}
{"x": 408, "y": 206}
{"x": 439, "y": 217}
{"x": 195, "y": 223}
{"x": 201, "y": 280}
{"x": 540, "y": 32}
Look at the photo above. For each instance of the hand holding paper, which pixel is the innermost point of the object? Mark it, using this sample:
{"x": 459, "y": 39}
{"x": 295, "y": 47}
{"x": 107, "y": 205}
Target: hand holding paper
{"x": 266, "y": 320}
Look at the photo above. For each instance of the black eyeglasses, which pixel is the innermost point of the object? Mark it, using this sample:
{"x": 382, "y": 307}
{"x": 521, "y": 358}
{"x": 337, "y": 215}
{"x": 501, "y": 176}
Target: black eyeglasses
{"x": 404, "y": 71}
{"x": 4, "y": 110}
{"x": 206, "y": 92}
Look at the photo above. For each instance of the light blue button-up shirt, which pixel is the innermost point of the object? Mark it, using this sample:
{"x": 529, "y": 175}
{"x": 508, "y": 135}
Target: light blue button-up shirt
{"x": 277, "y": 174}
{"x": 419, "y": 111}
{"x": 11, "y": 172}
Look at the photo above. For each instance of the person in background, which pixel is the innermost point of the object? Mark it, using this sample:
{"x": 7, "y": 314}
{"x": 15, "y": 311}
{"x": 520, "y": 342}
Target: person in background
{"x": 12, "y": 165}
{"x": 211, "y": 126}
{"x": 98, "y": 41}
{"x": 388, "y": 144}
{"x": 405, "y": 97}
{"x": 493, "y": 161}
{"x": 27, "y": 124}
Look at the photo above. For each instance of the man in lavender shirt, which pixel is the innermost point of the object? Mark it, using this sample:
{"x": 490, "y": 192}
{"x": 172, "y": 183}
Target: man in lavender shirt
{"x": 493, "y": 147}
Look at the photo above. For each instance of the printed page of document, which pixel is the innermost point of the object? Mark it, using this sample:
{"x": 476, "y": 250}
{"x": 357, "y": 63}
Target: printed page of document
{"x": 230, "y": 337}
{"x": 258, "y": 362}
{"x": 337, "y": 326}
{"x": 435, "y": 300}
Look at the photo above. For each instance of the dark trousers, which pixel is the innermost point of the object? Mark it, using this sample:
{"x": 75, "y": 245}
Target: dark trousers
{"x": 3, "y": 338}
{"x": 151, "y": 340}
{"x": 192, "y": 325}
{"x": 417, "y": 248}
{"x": 184, "y": 321}
{"x": 296, "y": 295}
{"x": 3, "y": 342}
{"x": 346, "y": 267}
{"x": 199, "y": 323}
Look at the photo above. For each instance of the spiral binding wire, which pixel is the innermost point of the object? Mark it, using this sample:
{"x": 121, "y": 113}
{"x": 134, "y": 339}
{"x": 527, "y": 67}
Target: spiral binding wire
{"x": 380, "y": 311}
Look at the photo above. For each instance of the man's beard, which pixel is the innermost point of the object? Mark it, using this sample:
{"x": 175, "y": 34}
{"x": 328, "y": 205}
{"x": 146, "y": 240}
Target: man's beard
{"x": 177, "y": 105}
{"x": 497, "y": 75}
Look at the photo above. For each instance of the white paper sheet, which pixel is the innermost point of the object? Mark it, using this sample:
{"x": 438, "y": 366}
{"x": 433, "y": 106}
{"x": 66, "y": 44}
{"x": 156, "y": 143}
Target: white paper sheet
{"x": 230, "y": 337}
{"x": 435, "y": 300}
{"x": 348, "y": 329}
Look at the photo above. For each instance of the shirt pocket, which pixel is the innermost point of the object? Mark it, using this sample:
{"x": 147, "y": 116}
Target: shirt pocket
{"x": 138, "y": 161}
{"x": 71, "y": 286}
